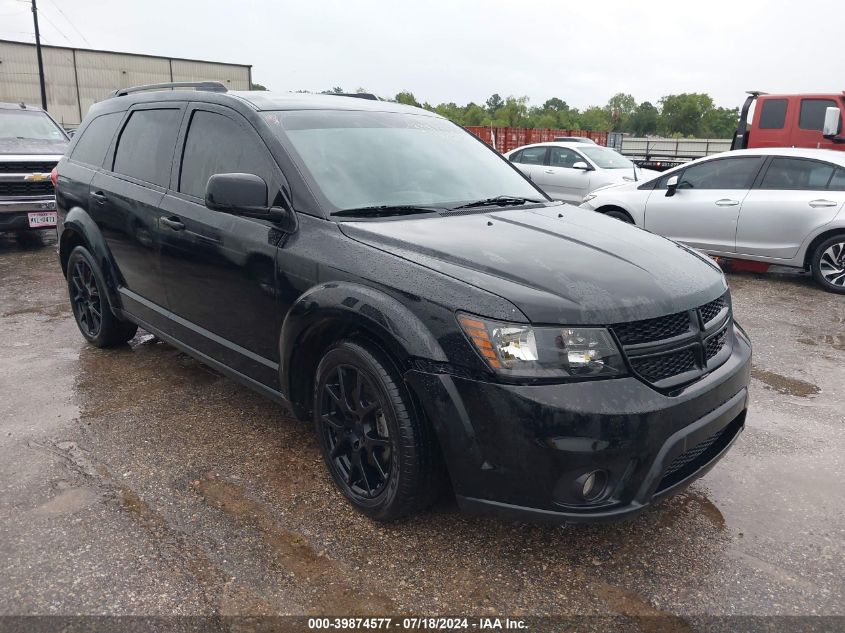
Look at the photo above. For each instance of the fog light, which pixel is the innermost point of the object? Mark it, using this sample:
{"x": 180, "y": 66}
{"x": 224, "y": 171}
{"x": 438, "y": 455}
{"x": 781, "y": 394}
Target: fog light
{"x": 592, "y": 485}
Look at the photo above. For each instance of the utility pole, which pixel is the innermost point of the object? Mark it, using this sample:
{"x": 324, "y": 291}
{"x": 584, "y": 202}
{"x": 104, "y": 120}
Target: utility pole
{"x": 40, "y": 60}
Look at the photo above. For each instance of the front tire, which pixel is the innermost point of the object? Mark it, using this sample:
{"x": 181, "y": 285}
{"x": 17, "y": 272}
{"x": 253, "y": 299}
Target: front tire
{"x": 90, "y": 304}
{"x": 379, "y": 451}
{"x": 828, "y": 264}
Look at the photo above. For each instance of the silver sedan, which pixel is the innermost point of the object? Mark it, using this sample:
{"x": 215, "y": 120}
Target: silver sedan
{"x": 782, "y": 206}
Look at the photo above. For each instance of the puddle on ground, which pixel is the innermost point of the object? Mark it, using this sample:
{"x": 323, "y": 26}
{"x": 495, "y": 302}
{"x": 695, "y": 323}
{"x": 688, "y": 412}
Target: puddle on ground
{"x": 836, "y": 341}
{"x": 647, "y": 618}
{"x": 783, "y": 384}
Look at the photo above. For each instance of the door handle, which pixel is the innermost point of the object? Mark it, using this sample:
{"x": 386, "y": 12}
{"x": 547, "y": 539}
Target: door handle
{"x": 173, "y": 223}
{"x": 550, "y": 171}
{"x": 99, "y": 197}
{"x": 822, "y": 203}
{"x": 726, "y": 202}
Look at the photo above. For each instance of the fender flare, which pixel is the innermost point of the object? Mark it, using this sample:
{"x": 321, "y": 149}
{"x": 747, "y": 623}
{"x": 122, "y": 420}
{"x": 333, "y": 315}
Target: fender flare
{"x": 78, "y": 222}
{"x": 328, "y": 311}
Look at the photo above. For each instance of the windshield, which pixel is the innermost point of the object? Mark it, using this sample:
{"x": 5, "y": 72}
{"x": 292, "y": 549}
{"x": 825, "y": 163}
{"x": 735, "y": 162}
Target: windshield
{"x": 606, "y": 158}
{"x": 29, "y": 125}
{"x": 366, "y": 159}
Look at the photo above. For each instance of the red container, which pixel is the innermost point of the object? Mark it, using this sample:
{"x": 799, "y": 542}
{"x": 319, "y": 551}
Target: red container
{"x": 504, "y": 139}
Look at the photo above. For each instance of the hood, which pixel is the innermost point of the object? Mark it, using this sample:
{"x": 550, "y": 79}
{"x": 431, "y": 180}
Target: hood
{"x": 580, "y": 268}
{"x": 32, "y": 146}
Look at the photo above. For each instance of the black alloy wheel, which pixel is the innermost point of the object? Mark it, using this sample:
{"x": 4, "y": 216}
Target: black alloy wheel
{"x": 355, "y": 431}
{"x": 379, "y": 448}
{"x": 90, "y": 305}
{"x": 85, "y": 298}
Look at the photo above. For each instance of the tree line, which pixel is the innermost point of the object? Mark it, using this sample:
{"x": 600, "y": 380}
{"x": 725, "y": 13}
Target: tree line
{"x": 680, "y": 115}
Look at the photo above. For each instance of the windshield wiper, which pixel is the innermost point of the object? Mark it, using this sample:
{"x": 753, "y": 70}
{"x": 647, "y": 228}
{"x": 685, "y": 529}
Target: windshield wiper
{"x": 498, "y": 201}
{"x": 384, "y": 210}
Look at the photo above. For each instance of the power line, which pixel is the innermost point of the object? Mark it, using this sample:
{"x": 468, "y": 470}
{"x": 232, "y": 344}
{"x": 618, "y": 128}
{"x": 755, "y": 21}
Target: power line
{"x": 53, "y": 24}
{"x": 72, "y": 25}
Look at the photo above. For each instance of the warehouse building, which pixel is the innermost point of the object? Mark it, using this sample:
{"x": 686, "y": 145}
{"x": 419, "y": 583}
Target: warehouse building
{"x": 77, "y": 77}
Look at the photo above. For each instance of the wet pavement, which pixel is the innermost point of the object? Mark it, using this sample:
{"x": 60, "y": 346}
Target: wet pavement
{"x": 137, "y": 481}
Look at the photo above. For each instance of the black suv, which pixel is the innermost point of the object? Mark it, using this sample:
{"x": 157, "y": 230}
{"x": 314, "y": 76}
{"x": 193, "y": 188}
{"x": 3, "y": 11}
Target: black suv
{"x": 399, "y": 283}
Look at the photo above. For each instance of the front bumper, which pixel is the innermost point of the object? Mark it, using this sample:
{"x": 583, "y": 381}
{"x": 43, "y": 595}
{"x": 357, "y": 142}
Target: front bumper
{"x": 14, "y": 213}
{"x": 517, "y": 451}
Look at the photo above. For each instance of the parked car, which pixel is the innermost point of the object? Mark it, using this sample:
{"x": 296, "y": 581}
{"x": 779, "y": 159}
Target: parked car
{"x": 575, "y": 139}
{"x": 31, "y": 143}
{"x": 780, "y": 206}
{"x": 397, "y": 282}
{"x": 569, "y": 171}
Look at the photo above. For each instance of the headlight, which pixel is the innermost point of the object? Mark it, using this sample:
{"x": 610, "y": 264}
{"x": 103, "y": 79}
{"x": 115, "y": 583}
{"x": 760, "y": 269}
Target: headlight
{"x": 522, "y": 351}
{"x": 588, "y": 197}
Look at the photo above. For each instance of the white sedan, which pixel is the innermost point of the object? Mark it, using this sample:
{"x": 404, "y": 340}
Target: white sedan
{"x": 569, "y": 170}
{"x": 782, "y": 206}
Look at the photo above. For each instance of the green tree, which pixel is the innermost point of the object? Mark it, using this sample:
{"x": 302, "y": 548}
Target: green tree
{"x": 407, "y": 97}
{"x": 595, "y": 118}
{"x": 683, "y": 114}
{"x": 644, "y": 120}
{"x": 474, "y": 114}
{"x": 719, "y": 123}
{"x": 337, "y": 90}
{"x": 255, "y": 86}
{"x": 620, "y": 108}
{"x": 555, "y": 105}
{"x": 514, "y": 113}
{"x": 494, "y": 103}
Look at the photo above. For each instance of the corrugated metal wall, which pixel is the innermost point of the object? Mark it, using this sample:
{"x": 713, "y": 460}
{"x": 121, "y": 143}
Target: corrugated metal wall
{"x": 77, "y": 78}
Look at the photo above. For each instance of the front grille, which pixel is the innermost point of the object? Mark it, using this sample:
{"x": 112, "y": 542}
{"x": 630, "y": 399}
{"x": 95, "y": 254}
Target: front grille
{"x": 20, "y": 167}
{"x": 44, "y": 187}
{"x": 656, "y": 368}
{"x": 709, "y": 311}
{"x": 685, "y": 459}
{"x": 716, "y": 342}
{"x": 650, "y": 330}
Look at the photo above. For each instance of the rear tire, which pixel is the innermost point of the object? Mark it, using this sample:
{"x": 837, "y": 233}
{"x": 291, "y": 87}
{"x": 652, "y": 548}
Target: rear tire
{"x": 828, "y": 264}
{"x": 380, "y": 453}
{"x": 90, "y": 303}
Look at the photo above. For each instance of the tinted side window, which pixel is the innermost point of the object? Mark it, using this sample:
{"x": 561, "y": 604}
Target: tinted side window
{"x": 811, "y": 116}
{"x": 95, "y": 139}
{"x": 533, "y": 156}
{"x": 515, "y": 157}
{"x": 145, "y": 148}
{"x": 726, "y": 173}
{"x": 218, "y": 145}
{"x": 562, "y": 157}
{"x": 794, "y": 173}
{"x": 773, "y": 114}
{"x": 837, "y": 183}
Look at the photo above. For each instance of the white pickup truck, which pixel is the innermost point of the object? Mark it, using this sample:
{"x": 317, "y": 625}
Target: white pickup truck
{"x": 31, "y": 143}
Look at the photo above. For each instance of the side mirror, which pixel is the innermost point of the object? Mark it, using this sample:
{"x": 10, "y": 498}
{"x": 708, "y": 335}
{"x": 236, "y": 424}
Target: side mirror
{"x": 671, "y": 186}
{"x": 582, "y": 166}
{"x": 831, "y": 122}
{"x": 246, "y": 195}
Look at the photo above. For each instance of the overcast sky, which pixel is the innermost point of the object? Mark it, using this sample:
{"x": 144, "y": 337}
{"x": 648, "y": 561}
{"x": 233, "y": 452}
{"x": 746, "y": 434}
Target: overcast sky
{"x": 465, "y": 50}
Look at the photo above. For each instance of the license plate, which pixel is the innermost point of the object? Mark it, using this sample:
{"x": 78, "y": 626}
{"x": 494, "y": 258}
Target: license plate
{"x": 41, "y": 219}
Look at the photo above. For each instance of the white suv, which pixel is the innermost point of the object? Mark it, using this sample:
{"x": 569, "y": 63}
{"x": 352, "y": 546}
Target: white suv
{"x": 777, "y": 205}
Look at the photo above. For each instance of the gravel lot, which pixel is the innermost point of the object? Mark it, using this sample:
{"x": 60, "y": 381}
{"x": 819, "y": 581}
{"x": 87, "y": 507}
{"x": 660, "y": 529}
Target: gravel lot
{"x": 137, "y": 481}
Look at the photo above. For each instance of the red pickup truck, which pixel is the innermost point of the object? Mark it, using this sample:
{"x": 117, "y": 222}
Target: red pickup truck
{"x": 806, "y": 120}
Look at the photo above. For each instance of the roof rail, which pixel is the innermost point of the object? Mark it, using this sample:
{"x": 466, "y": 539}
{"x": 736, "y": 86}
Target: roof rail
{"x": 207, "y": 86}
{"x": 358, "y": 95}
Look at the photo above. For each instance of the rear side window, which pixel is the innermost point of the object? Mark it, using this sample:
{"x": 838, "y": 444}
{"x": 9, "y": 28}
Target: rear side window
{"x": 773, "y": 114}
{"x": 145, "y": 148}
{"x": 533, "y": 156}
{"x": 92, "y": 145}
{"x": 797, "y": 174}
{"x": 837, "y": 183}
{"x": 515, "y": 157}
{"x": 218, "y": 145}
{"x": 812, "y": 113}
{"x": 724, "y": 173}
